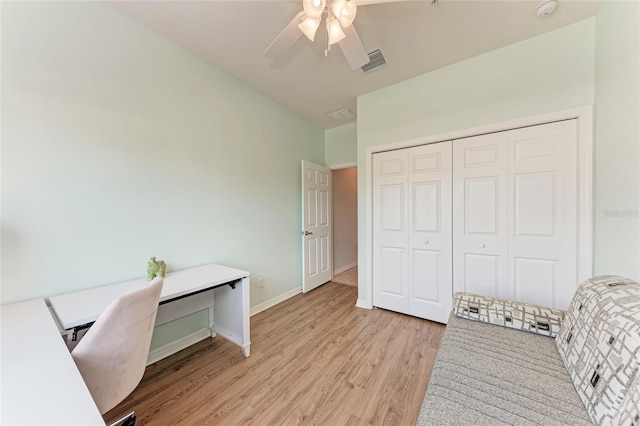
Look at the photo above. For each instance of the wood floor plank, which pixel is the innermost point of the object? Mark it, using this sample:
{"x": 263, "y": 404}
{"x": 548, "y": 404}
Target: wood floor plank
{"x": 315, "y": 359}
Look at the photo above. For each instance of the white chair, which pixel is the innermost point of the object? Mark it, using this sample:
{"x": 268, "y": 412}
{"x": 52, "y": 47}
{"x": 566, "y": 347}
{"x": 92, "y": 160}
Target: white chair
{"x": 112, "y": 355}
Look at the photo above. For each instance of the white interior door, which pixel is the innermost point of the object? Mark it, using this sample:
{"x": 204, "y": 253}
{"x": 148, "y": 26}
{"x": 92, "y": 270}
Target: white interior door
{"x": 430, "y": 238}
{"x": 515, "y": 214}
{"x": 390, "y": 240}
{"x": 412, "y": 231}
{"x": 317, "y": 247}
{"x": 480, "y": 215}
{"x": 543, "y": 213}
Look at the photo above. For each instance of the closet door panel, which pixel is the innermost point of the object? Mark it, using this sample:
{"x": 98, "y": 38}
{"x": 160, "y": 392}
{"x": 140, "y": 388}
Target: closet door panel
{"x": 482, "y": 273}
{"x": 542, "y": 265}
{"x": 535, "y": 280}
{"x": 426, "y": 270}
{"x": 392, "y": 266}
{"x": 393, "y": 214}
{"x": 479, "y": 214}
{"x": 390, "y": 214}
{"x": 426, "y": 206}
{"x": 481, "y": 205}
{"x": 536, "y": 204}
{"x": 430, "y": 231}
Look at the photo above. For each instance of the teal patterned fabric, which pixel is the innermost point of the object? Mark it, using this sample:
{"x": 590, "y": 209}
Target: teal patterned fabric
{"x": 599, "y": 343}
{"x": 508, "y": 313}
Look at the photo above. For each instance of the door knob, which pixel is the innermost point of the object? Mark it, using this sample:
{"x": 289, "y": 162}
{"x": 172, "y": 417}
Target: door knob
{"x": 426, "y": 241}
{"x": 307, "y": 233}
{"x": 483, "y": 245}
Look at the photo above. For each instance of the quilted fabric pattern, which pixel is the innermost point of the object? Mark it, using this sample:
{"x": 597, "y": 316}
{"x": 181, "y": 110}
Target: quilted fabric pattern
{"x": 507, "y": 313}
{"x": 599, "y": 343}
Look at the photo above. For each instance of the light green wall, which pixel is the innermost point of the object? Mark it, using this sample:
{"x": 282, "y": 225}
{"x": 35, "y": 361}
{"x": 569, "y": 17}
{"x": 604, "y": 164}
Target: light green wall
{"x": 169, "y": 332}
{"x": 550, "y": 72}
{"x": 617, "y": 139}
{"x": 341, "y": 146}
{"x": 117, "y": 146}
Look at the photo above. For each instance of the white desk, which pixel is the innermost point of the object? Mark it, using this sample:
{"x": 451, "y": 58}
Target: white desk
{"x": 184, "y": 292}
{"x": 40, "y": 382}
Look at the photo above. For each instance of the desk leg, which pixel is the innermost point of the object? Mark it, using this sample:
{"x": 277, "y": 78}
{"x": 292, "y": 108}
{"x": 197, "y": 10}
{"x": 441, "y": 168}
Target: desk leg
{"x": 246, "y": 316}
{"x": 211, "y": 319}
{"x": 231, "y": 314}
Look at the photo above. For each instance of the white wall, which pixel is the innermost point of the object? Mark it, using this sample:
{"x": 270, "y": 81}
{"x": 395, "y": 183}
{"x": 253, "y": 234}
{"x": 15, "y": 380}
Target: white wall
{"x": 345, "y": 218}
{"x": 341, "y": 146}
{"x": 617, "y": 139}
{"x": 550, "y": 72}
{"x": 117, "y": 146}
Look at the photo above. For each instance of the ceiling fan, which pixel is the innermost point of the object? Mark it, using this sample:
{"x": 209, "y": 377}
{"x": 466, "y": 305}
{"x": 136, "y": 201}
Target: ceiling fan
{"x": 338, "y": 17}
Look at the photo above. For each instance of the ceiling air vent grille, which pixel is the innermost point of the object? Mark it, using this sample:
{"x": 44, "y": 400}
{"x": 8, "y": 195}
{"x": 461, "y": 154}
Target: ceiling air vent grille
{"x": 376, "y": 60}
{"x": 342, "y": 115}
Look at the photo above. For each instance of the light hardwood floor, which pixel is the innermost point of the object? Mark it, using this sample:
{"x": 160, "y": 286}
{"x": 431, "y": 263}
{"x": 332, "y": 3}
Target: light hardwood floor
{"x": 348, "y": 277}
{"x": 315, "y": 359}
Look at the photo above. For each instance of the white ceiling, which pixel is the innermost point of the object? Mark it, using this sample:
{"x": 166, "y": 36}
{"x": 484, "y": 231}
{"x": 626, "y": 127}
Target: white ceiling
{"x": 414, "y": 36}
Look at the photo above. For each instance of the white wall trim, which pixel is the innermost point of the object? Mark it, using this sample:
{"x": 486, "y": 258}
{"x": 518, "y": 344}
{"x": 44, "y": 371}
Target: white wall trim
{"x": 343, "y": 165}
{"x": 273, "y": 302}
{"x": 586, "y": 187}
{"x": 364, "y": 304}
{"x": 584, "y": 115}
{"x": 177, "y": 345}
{"x": 344, "y": 268}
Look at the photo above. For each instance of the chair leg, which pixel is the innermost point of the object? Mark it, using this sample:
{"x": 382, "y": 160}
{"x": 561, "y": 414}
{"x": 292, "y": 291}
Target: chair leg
{"x": 128, "y": 420}
{"x": 131, "y": 421}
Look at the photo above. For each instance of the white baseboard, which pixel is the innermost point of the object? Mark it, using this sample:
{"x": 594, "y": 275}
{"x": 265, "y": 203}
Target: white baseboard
{"x": 273, "y": 302}
{"x": 177, "y": 345}
{"x": 344, "y": 268}
{"x": 193, "y": 338}
{"x": 364, "y": 304}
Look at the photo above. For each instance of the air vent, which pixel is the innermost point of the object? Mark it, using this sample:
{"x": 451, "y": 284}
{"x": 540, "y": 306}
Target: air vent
{"x": 376, "y": 60}
{"x": 342, "y": 115}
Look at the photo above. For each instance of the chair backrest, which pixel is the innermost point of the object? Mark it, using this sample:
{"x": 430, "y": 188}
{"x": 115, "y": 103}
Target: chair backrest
{"x": 112, "y": 355}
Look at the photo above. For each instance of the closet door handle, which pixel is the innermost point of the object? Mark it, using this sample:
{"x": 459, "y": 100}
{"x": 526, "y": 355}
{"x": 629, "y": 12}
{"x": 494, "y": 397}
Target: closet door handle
{"x": 483, "y": 245}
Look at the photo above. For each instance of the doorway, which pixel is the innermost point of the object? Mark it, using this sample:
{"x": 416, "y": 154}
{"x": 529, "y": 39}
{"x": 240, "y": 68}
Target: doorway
{"x": 345, "y": 226}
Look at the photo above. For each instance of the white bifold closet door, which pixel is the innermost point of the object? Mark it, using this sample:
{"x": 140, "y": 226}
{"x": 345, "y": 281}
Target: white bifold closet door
{"x": 515, "y": 214}
{"x": 494, "y": 214}
{"x": 412, "y": 231}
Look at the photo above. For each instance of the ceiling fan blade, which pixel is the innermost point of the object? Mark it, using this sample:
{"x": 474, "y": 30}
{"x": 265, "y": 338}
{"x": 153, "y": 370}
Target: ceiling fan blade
{"x": 285, "y": 39}
{"x": 353, "y": 49}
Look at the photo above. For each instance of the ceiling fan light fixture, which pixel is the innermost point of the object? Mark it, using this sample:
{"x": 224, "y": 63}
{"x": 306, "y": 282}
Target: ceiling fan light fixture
{"x": 334, "y": 30}
{"x": 314, "y": 8}
{"x": 345, "y": 11}
{"x": 309, "y": 27}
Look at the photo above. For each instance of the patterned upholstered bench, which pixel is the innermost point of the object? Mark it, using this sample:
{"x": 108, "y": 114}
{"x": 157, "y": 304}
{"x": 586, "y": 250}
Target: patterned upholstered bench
{"x": 503, "y": 362}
